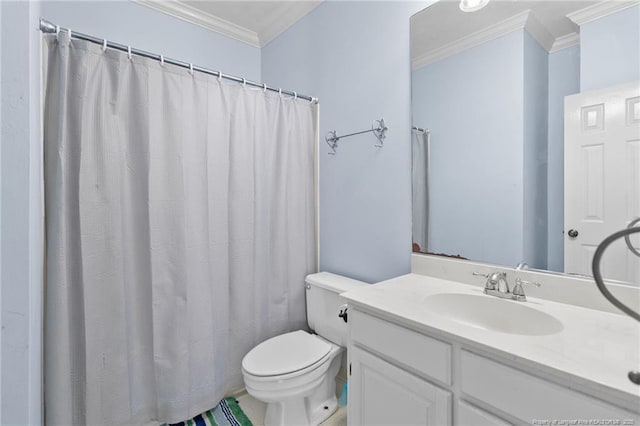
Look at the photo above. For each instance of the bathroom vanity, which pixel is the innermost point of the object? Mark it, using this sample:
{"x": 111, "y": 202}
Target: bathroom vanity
{"x": 430, "y": 351}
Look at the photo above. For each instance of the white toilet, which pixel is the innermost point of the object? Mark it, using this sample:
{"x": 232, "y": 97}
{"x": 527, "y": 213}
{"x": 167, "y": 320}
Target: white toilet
{"x": 294, "y": 373}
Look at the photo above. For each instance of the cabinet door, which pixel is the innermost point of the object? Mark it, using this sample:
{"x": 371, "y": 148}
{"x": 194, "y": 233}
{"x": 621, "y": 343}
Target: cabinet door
{"x": 383, "y": 394}
{"x": 470, "y": 415}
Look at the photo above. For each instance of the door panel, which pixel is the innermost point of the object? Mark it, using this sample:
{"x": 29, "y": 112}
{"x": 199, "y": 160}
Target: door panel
{"x": 602, "y": 177}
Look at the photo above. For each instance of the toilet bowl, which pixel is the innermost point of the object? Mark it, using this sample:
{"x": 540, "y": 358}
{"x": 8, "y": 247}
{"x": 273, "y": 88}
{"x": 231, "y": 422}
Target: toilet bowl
{"x": 294, "y": 373}
{"x": 303, "y": 393}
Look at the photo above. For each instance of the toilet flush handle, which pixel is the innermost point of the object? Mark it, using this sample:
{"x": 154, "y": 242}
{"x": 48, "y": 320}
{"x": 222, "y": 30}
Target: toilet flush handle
{"x": 343, "y": 312}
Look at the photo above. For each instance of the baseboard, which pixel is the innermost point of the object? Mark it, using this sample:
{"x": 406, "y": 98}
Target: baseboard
{"x": 237, "y": 393}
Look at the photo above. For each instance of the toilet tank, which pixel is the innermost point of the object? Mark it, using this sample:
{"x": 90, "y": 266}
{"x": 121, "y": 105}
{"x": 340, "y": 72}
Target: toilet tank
{"x": 323, "y": 304}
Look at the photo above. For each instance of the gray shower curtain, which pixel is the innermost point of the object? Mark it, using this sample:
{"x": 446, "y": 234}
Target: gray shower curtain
{"x": 420, "y": 188}
{"x": 180, "y": 226}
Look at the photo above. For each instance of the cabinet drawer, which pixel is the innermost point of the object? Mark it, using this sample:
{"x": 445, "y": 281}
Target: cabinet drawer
{"x": 470, "y": 415}
{"x": 424, "y": 354}
{"x": 527, "y": 397}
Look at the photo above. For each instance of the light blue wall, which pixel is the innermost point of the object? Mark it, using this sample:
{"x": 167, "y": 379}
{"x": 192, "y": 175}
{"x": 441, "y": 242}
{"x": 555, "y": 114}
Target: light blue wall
{"x": 610, "y": 50}
{"x": 131, "y": 23}
{"x": 564, "y": 80}
{"x": 20, "y": 224}
{"x": 20, "y": 153}
{"x": 355, "y": 57}
{"x": 472, "y": 103}
{"x": 536, "y": 84}
{"x": 1, "y": 230}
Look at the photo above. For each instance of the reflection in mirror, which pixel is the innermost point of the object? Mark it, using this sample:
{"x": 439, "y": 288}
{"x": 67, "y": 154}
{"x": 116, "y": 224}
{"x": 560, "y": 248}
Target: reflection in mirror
{"x": 420, "y": 189}
{"x": 488, "y": 104}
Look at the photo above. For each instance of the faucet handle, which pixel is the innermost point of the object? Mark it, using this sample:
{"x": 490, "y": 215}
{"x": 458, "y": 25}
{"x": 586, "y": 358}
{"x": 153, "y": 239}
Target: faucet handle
{"x": 480, "y": 274}
{"x": 518, "y": 290}
{"x": 488, "y": 284}
{"x": 521, "y": 281}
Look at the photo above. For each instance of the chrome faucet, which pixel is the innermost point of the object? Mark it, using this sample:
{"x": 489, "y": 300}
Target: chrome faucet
{"x": 498, "y": 286}
{"x": 496, "y": 283}
{"x": 502, "y": 284}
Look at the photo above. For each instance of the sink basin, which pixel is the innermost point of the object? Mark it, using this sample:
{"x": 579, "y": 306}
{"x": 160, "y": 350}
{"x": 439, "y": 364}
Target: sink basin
{"x": 489, "y": 313}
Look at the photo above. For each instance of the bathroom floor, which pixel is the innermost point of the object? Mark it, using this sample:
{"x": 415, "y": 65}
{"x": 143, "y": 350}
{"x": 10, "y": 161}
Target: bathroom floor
{"x": 255, "y": 411}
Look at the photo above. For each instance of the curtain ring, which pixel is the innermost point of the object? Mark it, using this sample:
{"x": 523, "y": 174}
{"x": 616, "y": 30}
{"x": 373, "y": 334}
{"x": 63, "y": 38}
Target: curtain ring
{"x": 70, "y": 33}
{"x": 220, "y": 76}
{"x": 312, "y": 100}
{"x": 57, "y": 30}
{"x": 191, "y": 69}
{"x": 244, "y": 82}
{"x": 129, "y": 52}
{"x": 104, "y": 45}
{"x": 162, "y": 60}
{"x": 280, "y": 92}
{"x": 295, "y": 96}
{"x": 264, "y": 87}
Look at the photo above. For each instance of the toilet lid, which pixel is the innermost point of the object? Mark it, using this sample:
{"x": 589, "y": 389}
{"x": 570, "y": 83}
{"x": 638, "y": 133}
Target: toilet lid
{"x": 285, "y": 353}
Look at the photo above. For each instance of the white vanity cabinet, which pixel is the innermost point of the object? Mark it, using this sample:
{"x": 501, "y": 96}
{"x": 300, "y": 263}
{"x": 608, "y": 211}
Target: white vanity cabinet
{"x": 387, "y": 395}
{"x": 401, "y": 376}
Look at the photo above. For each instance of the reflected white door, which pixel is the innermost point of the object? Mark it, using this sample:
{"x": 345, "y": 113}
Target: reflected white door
{"x": 602, "y": 178}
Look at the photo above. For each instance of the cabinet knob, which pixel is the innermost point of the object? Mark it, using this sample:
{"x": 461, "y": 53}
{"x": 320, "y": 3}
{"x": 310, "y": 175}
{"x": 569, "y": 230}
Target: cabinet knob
{"x": 572, "y": 233}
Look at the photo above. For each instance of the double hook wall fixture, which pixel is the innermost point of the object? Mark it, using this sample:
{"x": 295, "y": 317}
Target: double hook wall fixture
{"x": 378, "y": 128}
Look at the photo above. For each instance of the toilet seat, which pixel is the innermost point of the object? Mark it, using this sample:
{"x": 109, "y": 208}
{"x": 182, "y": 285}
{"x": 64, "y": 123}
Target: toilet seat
{"x": 285, "y": 354}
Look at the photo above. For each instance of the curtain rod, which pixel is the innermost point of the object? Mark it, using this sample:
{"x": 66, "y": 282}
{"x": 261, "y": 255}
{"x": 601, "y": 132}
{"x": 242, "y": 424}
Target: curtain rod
{"x": 50, "y": 28}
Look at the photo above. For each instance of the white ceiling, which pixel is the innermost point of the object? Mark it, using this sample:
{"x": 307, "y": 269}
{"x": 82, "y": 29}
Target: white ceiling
{"x": 442, "y": 24}
{"x": 443, "y": 29}
{"x": 253, "y": 22}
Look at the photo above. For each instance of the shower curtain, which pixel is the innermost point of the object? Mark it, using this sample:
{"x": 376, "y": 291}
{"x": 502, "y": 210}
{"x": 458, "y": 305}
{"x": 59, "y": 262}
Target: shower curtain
{"x": 420, "y": 188}
{"x": 180, "y": 227}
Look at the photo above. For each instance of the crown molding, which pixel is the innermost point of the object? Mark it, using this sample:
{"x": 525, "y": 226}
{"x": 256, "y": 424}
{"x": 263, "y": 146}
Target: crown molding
{"x": 539, "y": 32}
{"x": 599, "y": 10}
{"x": 492, "y": 32}
{"x": 198, "y": 17}
{"x": 565, "y": 41}
{"x": 190, "y": 14}
{"x": 524, "y": 20}
{"x": 284, "y": 21}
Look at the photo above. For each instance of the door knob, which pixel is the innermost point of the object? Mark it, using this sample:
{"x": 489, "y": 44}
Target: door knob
{"x": 572, "y": 233}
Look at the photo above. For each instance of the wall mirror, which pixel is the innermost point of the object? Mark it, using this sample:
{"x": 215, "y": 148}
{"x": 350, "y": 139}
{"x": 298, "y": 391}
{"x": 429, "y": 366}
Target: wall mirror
{"x": 488, "y": 140}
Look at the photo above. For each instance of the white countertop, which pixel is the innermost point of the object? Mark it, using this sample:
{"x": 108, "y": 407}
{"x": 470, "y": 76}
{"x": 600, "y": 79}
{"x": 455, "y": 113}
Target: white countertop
{"x": 595, "y": 350}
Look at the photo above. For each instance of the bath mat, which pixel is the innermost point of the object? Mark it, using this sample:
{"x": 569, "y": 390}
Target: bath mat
{"x": 226, "y": 413}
